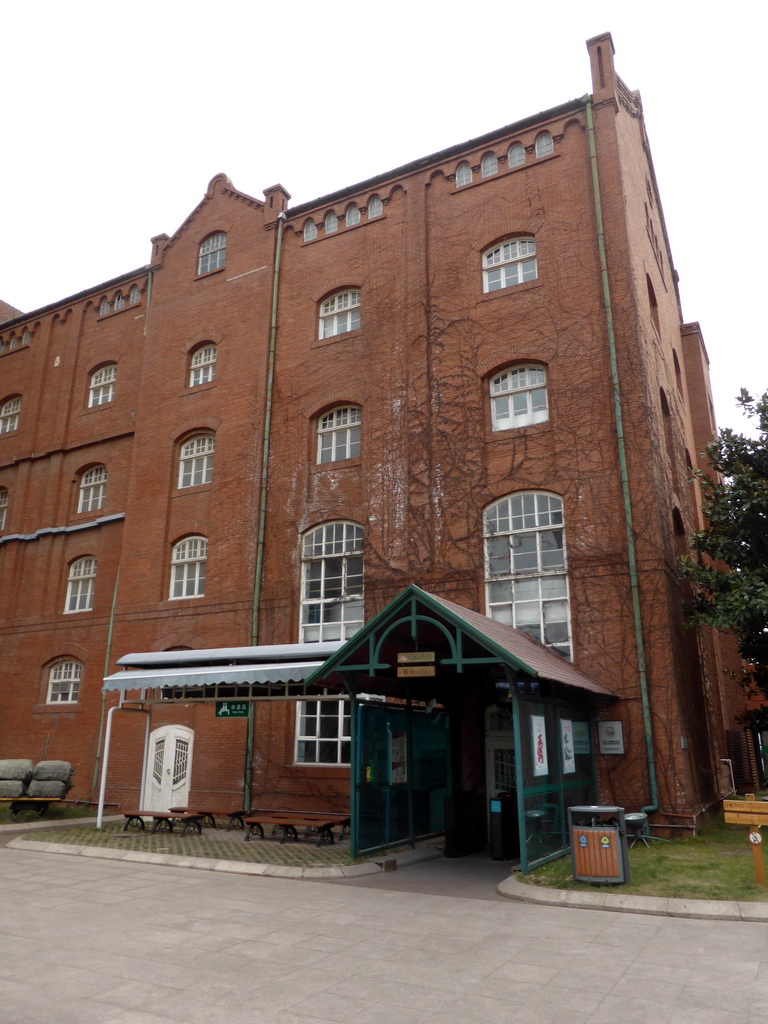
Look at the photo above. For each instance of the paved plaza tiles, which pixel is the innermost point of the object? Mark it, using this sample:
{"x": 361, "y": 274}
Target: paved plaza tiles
{"x": 91, "y": 941}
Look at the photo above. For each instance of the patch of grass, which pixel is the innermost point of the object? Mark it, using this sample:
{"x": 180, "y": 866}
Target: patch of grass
{"x": 716, "y": 864}
{"x": 212, "y": 843}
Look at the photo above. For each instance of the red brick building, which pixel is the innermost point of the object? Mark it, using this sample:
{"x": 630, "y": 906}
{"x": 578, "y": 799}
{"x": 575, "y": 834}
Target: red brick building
{"x": 469, "y": 373}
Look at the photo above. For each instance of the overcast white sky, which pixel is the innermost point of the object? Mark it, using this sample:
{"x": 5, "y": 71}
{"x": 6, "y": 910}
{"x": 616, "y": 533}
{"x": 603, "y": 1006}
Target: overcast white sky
{"x": 116, "y": 116}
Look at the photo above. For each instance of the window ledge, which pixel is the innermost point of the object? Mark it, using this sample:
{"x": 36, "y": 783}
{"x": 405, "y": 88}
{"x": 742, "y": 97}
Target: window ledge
{"x": 116, "y": 312}
{"x": 193, "y": 389}
{"x": 343, "y": 230}
{"x": 210, "y": 273}
{"x": 527, "y": 166}
{"x": 192, "y": 489}
{"x": 528, "y": 430}
{"x": 322, "y": 342}
{"x": 97, "y": 408}
{"x": 69, "y": 707}
{"x": 513, "y": 289}
{"x": 325, "y": 467}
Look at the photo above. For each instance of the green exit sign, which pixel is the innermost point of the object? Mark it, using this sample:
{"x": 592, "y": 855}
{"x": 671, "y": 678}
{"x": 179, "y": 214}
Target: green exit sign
{"x": 232, "y": 708}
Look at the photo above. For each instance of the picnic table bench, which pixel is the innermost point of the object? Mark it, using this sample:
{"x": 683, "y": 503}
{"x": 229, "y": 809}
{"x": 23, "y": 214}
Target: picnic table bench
{"x": 164, "y": 821}
{"x": 30, "y": 803}
{"x": 289, "y": 822}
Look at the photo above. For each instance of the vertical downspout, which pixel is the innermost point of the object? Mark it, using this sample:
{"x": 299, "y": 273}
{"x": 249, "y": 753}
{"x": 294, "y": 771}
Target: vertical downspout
{"x": 107, "y": 658}
{"x": 619, "y": 421}
{"x": 281, "y": 218}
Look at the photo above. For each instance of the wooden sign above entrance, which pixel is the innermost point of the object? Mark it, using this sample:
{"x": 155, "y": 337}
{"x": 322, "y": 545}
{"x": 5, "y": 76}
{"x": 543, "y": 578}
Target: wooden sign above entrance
{"x": 415, "y": 657}
{"x": 415, "y": 670}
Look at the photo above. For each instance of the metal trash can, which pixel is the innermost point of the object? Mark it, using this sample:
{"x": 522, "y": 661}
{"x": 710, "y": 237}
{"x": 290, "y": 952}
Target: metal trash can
{"x": 505, "y": 841}
{"x": 598, "y": 844}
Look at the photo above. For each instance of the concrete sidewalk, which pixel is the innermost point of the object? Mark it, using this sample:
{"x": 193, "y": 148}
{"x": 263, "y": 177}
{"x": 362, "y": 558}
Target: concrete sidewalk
{"x": 91, "y": 941}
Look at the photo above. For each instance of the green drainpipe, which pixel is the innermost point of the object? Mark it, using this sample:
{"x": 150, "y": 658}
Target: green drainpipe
{"x": 281, "y": 217}
{"x": 619, "y": 420}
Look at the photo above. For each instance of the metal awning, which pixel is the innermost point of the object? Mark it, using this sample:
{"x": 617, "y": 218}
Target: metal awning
{"x": 239, "y": 675}
{"x": 221, "y": 666}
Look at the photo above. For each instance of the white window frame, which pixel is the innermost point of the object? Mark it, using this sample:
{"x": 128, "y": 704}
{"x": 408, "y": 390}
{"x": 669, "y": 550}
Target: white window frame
{"x": 213, "y": 253}
{"x": 102, "y": 389}
{"x": 64, "y": 682}
{"x": 340, "y": 314}
{"x": 375, "y": 207}
{"x": 189, "y": 559}
{"x": 509, "y": 263}
{"x": 338, "y": 434}
{"x": 526, "y": 569}
{"x": 518, "y": 397}
{"x": 331, "y": 223}
{"x": 545, "y": 145}
{"x": 322, "y": 732}
{"x": 105, "y": 307}
{"x": 119, "y": 301}
{"x": 332, "y": 582}
{"x": 135, "y": 297}
{"x": 516, "y": 155}
{"x": 80, "y": 585}
{"x": 352, "y": 215}
{"x": 310, "y": 231}
{"x": 463, "y": 174}
{"x": 3, "y": 506}
{"x": 9, "y": 415}
{"x": 196, "y": 461}
{"x": 93, "y": 489}
{"x": 202, "y": 365}
{"x": 489, "y": 165}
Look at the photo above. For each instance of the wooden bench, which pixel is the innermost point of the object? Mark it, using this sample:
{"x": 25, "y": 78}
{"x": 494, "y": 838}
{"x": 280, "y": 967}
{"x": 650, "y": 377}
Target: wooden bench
{"x": 289, "y": 822}
{"x": 164, "y": 821}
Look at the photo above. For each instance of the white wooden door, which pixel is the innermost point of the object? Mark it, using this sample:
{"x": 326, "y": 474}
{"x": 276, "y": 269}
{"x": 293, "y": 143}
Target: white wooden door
{"x": 168, "y": 768}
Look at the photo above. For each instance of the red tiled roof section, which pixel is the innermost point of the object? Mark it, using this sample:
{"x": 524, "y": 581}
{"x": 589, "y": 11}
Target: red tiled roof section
{"x": 545, "y": 663}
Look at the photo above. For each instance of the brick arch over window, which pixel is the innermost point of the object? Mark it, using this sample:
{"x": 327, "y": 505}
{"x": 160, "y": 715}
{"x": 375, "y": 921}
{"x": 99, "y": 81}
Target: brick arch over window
{"x": 525, "y": 566}
{"x": 101, "y": 387}
{"x": 196, "y": 453}
{"x": 81, "y": 580}
{"x": 212, "y": 254}
{"x": 338, "y": 433}
{"x": 202, "y": 363}
{"x": 92, "y": 488}
{"x": 62, "y": 681}
{"x": 510, "y": 262}
{"x": 518, "y": 396}
{"x": 339, "y": 313}
{"x": 189, "y": 558}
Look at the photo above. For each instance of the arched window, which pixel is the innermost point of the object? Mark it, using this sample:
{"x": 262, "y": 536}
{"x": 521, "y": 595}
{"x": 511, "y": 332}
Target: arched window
{"x": 188, "y": 562}
{"x": 510, "y": 263}
{"x": 526, "y": 582}
{"x": 64, "y": 682}
{"x": 135, "y": 296}
{"x": 310, "y": 231}
{"x": 516, "y": 155}
{"x": 331, "y": 222}
{"x": 489, "y": 165}
{"x": 196, "y": 461}
{"x": 9, "y": 415}
{"x": 338, "y": 434}
{"x": 3, "y": 506}
{"x": 93, "y": 488}
{"x": 340, "y": 314}
{"x": 332, "y": 582}
{"x": 463, "y": 175}
{"x": 102, "y": 389}
{"x": 202, "y": 365}
{"x": 213, "y": 253}
{"x": 352, "y": 215}
{"x": 519, "y": 397}
{"x": 80, "y": 583}
{"x": 544, "y": 145}
{"x": 105, "y": 307}
{"x": 119, "y": 301}
{"x": 19, "y": 340}
{"x": 375, "y": 207}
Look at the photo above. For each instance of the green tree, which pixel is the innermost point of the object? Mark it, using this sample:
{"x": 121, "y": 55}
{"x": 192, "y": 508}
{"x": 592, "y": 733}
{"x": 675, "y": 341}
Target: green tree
{"x": 731, "y": 584}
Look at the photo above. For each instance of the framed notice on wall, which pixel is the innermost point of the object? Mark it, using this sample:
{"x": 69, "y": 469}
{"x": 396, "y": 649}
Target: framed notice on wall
{"x": 397, "y": 758}
{"x": 539, "y": 736}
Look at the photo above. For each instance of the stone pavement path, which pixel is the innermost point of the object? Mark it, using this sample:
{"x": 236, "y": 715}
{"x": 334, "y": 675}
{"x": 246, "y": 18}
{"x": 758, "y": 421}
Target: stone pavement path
{"x": 89, "y": 941}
